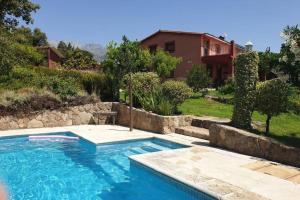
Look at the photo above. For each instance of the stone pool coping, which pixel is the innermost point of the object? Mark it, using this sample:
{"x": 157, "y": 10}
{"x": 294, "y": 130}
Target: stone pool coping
{"x": 212, "y": 170}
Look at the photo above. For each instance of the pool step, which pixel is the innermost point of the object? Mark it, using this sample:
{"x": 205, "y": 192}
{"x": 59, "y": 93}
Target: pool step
{"x": 193, "y": 131}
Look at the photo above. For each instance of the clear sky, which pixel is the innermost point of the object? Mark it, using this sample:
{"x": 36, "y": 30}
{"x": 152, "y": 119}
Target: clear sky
{"x": 99, "y": 21}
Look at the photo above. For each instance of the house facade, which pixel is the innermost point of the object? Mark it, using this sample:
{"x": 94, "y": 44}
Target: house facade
{"x": 196, "y": 48}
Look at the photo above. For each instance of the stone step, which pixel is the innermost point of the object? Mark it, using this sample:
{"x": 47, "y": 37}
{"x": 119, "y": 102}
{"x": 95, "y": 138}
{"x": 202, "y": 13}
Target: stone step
{"x": 193, "y": 131}
{"x": 205, "y": 122}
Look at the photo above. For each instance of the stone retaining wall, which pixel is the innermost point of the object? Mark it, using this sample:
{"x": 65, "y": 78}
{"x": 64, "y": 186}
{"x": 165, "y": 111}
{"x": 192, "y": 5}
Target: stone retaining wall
{"x": 151, "y": 122}
{"x": 251, "y": 144}
{"x": 52, "y": 118}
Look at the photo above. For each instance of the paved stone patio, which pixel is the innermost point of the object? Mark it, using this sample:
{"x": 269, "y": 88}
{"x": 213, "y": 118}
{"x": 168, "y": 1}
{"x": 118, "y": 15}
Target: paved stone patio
{"x": 226, "y": 174}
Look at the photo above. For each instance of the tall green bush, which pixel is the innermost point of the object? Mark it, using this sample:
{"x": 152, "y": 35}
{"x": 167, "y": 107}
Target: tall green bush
{"x": 143, "y": 84}
{"x": 199, "y": 78}
{"x": 176, "y": 91}
{"x": 246, "y": 76}
{"x": 272, "y": 99}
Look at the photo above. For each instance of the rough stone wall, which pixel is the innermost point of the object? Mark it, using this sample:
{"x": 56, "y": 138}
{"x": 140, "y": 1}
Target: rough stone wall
{"x": 248, "y": 143}
{"x": 151, "y": 122}
{"x": 52, "y": 118}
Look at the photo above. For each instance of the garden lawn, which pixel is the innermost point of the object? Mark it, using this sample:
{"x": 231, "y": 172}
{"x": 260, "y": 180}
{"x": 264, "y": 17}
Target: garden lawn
{"x": 284, "y": 128}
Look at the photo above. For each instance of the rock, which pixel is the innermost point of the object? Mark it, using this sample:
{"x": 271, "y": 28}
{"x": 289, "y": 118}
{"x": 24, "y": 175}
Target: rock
{"x": 82, "y": 118}
{"x": 35, "y": 124}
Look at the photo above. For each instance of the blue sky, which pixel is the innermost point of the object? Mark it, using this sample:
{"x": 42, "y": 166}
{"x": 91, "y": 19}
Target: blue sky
{"x": 99, "y": 21}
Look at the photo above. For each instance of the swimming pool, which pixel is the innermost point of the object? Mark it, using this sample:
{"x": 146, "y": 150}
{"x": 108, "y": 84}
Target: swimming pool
{"x": 81, "y": 170}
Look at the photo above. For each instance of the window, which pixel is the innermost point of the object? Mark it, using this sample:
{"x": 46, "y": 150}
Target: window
{"x": 152, "y": 48}
{"x": 218, "y": 49}
{"x": 170, "y": 47}
{"x": 206, "y": 48}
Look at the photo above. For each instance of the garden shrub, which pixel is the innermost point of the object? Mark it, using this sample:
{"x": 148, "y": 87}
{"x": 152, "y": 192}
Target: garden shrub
{"x": 294, "y": 105}
{"x": 66, "y": 82}
{"x": 6, "y": 58}
{"x": 147, "y": 90}
{"x": 199, "y": 79}
{"x": 228, "y": 88}
{"x": 176, "y": 91}
{"x": 272, "y": 99}
{"x": 246, "y": 76}
{"x": 65, "y": 88}
{"x": 294, "y": 100}
{"x": 26, "y": 100}
{"x": 142, "y": 82}
{"x": 26, "y": 55}
{"x": 156, "y": 101}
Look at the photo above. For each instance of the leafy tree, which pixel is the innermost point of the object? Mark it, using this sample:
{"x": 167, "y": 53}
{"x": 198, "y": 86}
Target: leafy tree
{"x": 39, "y": 38}
{"x": 290, "y": 53}
{"x": 268, "y": 61}
{"x": 163, "y": 63}
{"x": 12, "y": 10}
{"x": 22, "y": 35}
{"x": 198, "y": 78}
{"x": 26, "y": 36}
{"x": 79, "y": 59}
{"x": 75, "y": 58}
{"x": 272, "y": 99}
{"x": 62, "y": 47}
{"x": 246, "y": 76}
{"x": 123, "y": 58}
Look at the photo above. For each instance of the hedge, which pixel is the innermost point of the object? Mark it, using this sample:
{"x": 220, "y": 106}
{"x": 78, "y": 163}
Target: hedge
{"x": 246, "y": 76}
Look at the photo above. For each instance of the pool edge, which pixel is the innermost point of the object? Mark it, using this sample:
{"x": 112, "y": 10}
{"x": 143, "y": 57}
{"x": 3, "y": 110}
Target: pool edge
{"x": 174, "y": 178}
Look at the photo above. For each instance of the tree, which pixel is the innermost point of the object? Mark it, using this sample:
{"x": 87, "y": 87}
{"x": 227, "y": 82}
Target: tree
{"x": 12, "y": 10}
{"x": 163, "y": 63}
{"x": 62, "y": 47}
{"x": 22, "y": 35}
{"x": 123, "y": 58}
{"x": 246, "y": 76}
{"x": 26, "y": 36}
{"x": 75, "y": 58}
{"x": 198, "y": 78}
{"x": 79, "y": 59}
{"x": 290, "y": 53}
{"x": 272, "y": 99}
{"x": 39, "y": 38}
{"x": 268, "y": 61}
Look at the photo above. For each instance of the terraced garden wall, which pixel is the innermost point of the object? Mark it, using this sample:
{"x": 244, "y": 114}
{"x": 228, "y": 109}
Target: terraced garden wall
{"x": 76, "y": 115}
{"x": 254, "y": 145}
{"x": 150, "y": 121}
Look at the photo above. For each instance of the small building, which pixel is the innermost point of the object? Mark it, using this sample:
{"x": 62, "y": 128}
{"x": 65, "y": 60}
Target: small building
{"x": 52, "y": 55}
{"x": 196, "y": 48}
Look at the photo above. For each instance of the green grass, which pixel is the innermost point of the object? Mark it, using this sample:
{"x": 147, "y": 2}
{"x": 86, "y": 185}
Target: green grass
{"x": 216, "y": 93}
{"x": 285, "y": 127}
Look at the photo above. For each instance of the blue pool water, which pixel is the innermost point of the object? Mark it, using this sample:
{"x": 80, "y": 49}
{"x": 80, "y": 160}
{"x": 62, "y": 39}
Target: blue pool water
{"x": 80, "y": 170}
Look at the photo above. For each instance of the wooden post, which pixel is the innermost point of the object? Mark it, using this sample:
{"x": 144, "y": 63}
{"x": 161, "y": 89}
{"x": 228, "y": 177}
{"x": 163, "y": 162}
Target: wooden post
{"x": 130, "y": 99}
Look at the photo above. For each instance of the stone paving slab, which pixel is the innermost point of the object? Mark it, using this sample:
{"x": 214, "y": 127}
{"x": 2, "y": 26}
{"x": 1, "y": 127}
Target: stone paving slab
{"x": 220, "y": 174}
